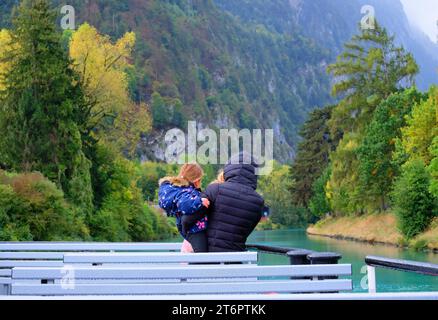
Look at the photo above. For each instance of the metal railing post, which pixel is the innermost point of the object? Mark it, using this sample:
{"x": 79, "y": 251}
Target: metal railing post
{"x": 298, "y": 257}
{"x": 371, "y": 273}
{"x": 324, "y": 258}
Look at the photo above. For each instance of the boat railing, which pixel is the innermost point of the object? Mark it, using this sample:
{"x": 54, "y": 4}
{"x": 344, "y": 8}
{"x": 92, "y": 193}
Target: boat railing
{"x": 298, "y": 256}
{"x": 374, "y": 262}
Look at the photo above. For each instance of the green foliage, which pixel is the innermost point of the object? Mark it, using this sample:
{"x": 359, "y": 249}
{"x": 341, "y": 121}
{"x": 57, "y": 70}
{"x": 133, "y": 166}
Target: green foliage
{"x": 274, "y": 188}
{"x": 433, "y": 167}
{"x": 369, "y": 70}
{"x": 49, "y": 127}
{"x": 420, "y": 131}
{"x": 149, "y": 174}
{"x": 319, "y": 205}
{"x": 414, "y": 205}
{"x": 121, "y": 213}
{"x": 377, "y": 169}
{"x": 193, "y": 50}
{"x": 420, "y": 245}
{"x": 342, "y": 191}
{"x": 313, "y": 154}
{"x": 33, "y": 208}
{"x": 38, "y": 117}
{"x": 167, "y": 112}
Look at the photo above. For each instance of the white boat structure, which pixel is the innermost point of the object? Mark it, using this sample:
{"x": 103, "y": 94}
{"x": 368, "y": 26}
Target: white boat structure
{"x": 158, "y": 271}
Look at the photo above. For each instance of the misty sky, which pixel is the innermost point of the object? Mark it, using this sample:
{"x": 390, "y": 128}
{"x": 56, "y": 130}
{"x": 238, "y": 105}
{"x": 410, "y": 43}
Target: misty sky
{"x": 423, "y": 14}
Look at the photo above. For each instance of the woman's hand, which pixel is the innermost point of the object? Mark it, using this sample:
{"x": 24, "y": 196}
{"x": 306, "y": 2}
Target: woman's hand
{"x": 205, "y": 202}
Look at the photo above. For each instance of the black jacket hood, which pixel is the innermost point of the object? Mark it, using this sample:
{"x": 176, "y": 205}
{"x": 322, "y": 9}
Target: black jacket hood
{"x": 241, "y": 169}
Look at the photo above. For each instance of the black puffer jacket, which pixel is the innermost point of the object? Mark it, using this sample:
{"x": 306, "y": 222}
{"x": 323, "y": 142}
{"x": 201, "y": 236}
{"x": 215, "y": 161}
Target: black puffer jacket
{"x": 235, "y": 209}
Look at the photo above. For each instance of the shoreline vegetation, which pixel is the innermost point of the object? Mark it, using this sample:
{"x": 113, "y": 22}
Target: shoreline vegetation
{"x": 375, "y": 229}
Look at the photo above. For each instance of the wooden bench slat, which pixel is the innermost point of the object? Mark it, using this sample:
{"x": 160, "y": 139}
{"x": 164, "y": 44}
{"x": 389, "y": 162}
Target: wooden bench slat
{"x": 88, "y": 246}
{"x": 288, "y": 286}
{"x": 190, "y": 271}
{"x": 161, "y": 257}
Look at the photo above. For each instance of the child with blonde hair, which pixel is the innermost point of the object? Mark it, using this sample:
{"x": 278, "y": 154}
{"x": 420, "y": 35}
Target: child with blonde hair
{"x": 180, "y": 196}
{"x": 220, "y": 177}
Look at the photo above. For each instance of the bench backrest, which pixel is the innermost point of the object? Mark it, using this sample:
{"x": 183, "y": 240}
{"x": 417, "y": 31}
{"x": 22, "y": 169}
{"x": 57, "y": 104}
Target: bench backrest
{"x": 89, "y": 246}
{"x": 51, "y": 254}
{"x": 229, "y": 279}
{"x": 159, "y": 257}
{"x": 11, "y": 259}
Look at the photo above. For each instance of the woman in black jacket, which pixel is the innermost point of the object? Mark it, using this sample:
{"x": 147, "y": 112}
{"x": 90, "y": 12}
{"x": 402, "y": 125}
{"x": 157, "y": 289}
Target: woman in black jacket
{"x": 235, "y": 206}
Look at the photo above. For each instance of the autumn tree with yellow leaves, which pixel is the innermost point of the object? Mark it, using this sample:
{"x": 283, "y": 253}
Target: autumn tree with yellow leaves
{"x": 103, "y": 65}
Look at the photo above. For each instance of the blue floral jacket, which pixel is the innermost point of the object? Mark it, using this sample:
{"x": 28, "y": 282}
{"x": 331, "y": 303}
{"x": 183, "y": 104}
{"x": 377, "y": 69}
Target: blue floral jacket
{"x": 182, "y": 200}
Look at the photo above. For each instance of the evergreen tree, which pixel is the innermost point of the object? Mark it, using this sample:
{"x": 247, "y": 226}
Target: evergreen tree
{"x": 313, "y": 154}
{"x": 370, "y": 69}
{"x": 40, "y": 104}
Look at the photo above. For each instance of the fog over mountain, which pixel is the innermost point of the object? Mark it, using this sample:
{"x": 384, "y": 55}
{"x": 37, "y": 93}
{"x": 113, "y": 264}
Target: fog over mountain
{"x": 423, "y": 14}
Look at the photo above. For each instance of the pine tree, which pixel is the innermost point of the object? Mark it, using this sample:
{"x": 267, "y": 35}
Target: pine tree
{"x": 369, "y": 70}
{"x": 313, "y": 154}
{"x": 39, "y": 107}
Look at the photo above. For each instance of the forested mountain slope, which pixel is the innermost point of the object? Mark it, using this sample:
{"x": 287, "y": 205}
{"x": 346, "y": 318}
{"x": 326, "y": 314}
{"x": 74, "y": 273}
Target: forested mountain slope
{"x": 244, "y": 64}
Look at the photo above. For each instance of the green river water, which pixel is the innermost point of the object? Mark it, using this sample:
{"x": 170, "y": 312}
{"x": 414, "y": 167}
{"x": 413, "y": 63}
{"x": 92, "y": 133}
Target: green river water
{"x": 354, "y": 253}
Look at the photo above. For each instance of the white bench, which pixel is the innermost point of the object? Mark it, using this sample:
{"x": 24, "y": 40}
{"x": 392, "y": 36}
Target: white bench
{"x": 126, "y": 258}
{"x": 138, "y": 269}
{"x": 88, "y": 246}
{"x": 153, "y": 259}
{"x": 51, "y": 254}
{"x": 174, "y": 280}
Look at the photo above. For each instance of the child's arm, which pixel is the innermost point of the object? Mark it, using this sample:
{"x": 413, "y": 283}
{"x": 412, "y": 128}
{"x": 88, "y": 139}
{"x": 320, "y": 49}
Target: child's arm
{"x": 191, "y": 202}
{"x": 166, "y": 196}
{"x": 191, "y": 205}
